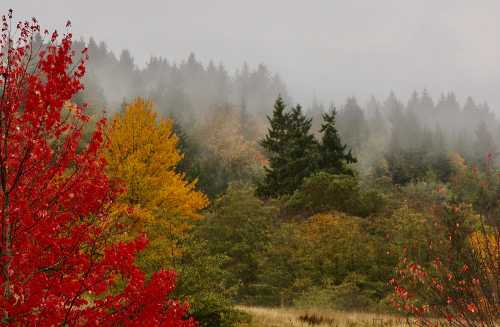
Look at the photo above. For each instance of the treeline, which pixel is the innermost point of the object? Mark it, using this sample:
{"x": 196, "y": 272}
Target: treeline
{"x": 220, "y": 117}
{"x": 185, "y": 90}
{"x": 407, "y": 142}
{"x": 387, "y": 138}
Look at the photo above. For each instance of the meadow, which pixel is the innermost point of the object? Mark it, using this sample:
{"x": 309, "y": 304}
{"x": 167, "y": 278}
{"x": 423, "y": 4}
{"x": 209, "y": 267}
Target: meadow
{"x": 293, "y": 317}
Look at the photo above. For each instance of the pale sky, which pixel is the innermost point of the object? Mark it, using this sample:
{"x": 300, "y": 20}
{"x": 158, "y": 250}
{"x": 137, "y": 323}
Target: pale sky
{"x": 328, "y": 48}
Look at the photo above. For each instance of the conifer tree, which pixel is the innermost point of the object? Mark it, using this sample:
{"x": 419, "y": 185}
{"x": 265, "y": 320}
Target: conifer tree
{"x": 292, "y": 151}
{"x": 295, "y": 154}
{"x": 275, "y": 143}
{"x": 334, "y": 156}
{"x": 351, "y": 124}
{"x": 302, "y": 151}
{"x": 484, "y": 146}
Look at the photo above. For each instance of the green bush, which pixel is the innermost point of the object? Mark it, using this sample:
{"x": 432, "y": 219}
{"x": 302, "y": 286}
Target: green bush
{"x": 213, "y": 310}
{"x": 201, "y": 282}
{"x": 324, "y": 192}
{"x": 351, "y": 294}
{"x": 237, "y": 227}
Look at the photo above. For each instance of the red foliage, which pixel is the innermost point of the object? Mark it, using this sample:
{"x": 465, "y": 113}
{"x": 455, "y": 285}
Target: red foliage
{"x": 57, "y": 265}
{"x": 459, "y": 281}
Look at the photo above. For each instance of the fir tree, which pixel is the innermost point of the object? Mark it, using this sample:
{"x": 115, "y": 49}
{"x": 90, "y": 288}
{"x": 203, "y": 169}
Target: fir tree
{"x": 291, "y": 149}
{"x": 351, "y": 125}
{"x": 303, "y": 150}
{"x": 333, "y": 156}
{"x": 484, "y": 146}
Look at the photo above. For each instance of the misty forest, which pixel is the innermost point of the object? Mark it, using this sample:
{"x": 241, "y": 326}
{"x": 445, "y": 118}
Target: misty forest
{"x": 187, "y": 193}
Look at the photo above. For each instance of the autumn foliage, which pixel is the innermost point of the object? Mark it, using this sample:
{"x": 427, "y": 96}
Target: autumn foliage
{"x": 459, "y": 283}
{"x": 142, "y": 155}
{"x": 57, "y": 265}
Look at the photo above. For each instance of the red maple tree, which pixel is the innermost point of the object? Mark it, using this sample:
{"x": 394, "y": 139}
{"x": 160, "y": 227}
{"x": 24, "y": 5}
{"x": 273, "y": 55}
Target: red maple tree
{"x": 58, "y": 266}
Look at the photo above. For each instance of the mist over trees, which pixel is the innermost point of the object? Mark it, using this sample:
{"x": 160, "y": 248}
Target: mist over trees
{"x": 186, "y": 89}
{"x": 365, "y": 206}
{"x": 308, "y": 206}
{"x": 405, "y": 141}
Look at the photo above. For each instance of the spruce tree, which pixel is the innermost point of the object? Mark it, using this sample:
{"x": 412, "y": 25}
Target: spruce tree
{"x": 303, "y": 151}
{"x": 292, "y": 151}
{"x": 275, "y": 143}
{"x": 351, "y": 124}
{"x": 334, "y": 157}
{"x": 484, "y": 146}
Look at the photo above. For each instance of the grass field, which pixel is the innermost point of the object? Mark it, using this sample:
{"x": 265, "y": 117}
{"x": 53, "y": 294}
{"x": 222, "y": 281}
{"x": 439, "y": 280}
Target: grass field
{"x": 278, "y": 317}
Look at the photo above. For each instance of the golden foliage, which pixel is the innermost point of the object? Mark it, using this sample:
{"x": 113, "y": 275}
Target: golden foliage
{"x": 323, "y": 224}
{"x": 142, "y": 155}
{"x": 336, "y": 237}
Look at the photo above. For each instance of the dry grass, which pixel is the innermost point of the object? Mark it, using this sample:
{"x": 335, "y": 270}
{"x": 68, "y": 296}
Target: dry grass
{"x": 277, "y": 317}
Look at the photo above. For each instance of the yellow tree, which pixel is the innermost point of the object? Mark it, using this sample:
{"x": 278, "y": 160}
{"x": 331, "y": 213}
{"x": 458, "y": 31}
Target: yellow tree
{"x": 223, "y": 136}
{"x": 142, "y": 156}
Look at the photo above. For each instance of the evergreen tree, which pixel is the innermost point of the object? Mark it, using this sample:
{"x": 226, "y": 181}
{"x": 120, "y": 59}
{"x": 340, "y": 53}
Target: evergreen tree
{"x": 413, "y": 103}
{"x": 247, "y": 122}
{"x": 315, "y": 112}
{"x": 426, "y": 109}
{"x": 303, "y": 150}
{"x": 484, "y": 146}
{"x": 333, "y": 156}
{"x": 275, "y": 143}
{"x": 291, "y": 149}
{"x": 351, "y": 125}
{"x": 189, "y": 165}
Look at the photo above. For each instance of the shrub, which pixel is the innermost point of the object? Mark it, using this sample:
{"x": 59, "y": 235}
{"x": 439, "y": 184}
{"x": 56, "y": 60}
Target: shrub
{"x": 351, "y": 294}
{"x": 461, "y": 282}
{"x": 324, "y": 192}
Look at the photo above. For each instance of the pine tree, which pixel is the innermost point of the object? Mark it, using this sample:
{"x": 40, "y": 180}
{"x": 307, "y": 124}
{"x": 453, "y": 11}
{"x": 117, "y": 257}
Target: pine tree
{"x": 484, "y": 146}
{"x": 333, "y": 156}
{"x": 275, "y": 143}
{"x": 303, "y": 150}
{"x": 292, "y": 151}
{"x": 351, "y": 125}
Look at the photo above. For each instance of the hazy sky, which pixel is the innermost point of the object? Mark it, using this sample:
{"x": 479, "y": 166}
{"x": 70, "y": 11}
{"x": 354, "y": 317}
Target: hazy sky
{"x": 330, "y": 48}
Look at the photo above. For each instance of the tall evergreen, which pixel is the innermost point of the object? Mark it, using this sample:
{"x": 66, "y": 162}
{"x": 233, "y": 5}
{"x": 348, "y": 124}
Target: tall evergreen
{"x": 484, "y": 146}
{"x": 275, "y": 143}
{"x": 291, "y": 149}
{"x": 351, "y": 125}
{"x": 334, "y": 157}
{"x": 302, "y": 154}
